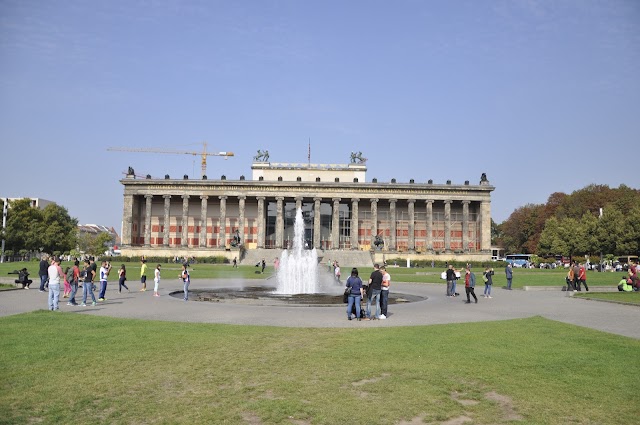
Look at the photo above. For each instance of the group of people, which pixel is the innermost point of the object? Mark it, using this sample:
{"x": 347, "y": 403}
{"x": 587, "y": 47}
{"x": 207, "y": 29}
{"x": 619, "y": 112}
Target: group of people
{"x": 376, "y": 291}
{"x": 52, "y": 276}
{"x": 631, "y": 282}
{"x": 452, "y": 275}
{"x": 576, "y": 277}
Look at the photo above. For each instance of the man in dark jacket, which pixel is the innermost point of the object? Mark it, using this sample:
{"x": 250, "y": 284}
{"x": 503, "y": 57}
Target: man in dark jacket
{"x": 375, "y": 288}
{"x": 43, "y": 272}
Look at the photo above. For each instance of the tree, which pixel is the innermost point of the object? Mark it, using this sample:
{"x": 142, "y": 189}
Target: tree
{"x": 23, "y": 226}
{"x": 94, "y": 244}
{"x": 48, "y": 230}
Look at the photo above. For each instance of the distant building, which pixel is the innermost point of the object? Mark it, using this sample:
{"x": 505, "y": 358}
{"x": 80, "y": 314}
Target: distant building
{"x": 35, "y": 202}
{"x": 96, "y": 229}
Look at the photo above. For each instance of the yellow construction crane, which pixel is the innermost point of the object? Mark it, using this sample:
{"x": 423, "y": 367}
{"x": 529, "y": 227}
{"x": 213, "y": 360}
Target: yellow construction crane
{"x": 204, "y": 153}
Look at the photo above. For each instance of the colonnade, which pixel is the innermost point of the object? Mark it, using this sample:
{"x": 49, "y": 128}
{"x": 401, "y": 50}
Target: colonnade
{"x": 482, "y": 207}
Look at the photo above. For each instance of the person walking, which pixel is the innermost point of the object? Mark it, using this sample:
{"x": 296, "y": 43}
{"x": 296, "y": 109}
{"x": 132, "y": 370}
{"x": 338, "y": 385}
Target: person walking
{"x": 235, "y": 262}
{"x": 355, "y": 294}
{"x": 375, "y": 287}
{"x": 54, "y": 273}
{"x": 336, "y": 272}
{"x": 263, "y": 264}
{"x": 156, "y": 281}
{"x": 143, "y": 274}
{"x": 576, "y": 274}
{"x": 186, "y": 280}
{"x": 43, "y": 271}
{"x": 122, "y": 278}
{"x": 488, "y": 282}
{"x": 104, "y": 273}
{"x": 582, "y": 277}
{"x": 470, "y": 285}
{"x": 68, "y": 274}
{"x": 451, "y": 278}
{"x": 508, "y": 271}
{"x": 87, "y": 286}
{"x": 75, "y": 277}
{"x": 384, "y": 293}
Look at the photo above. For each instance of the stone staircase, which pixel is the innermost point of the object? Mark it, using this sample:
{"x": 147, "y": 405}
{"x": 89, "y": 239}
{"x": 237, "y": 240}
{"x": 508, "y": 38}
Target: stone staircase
{"x": 345, "y": 258}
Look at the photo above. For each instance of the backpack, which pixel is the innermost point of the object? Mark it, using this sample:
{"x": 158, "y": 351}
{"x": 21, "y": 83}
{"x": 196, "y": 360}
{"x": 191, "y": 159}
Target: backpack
{"x": 69, "y": 276}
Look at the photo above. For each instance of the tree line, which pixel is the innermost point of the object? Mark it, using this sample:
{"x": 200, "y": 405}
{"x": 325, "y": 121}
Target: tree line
{"x": 573, "y": 224}
{"x": 51, "y": 230}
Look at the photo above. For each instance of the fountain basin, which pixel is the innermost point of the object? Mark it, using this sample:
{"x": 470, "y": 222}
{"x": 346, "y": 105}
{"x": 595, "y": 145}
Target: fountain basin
{"x": 266, "y": 296}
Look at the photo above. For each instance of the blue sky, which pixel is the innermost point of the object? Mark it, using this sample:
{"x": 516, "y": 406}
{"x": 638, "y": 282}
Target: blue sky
{"x": 543, "y": 96}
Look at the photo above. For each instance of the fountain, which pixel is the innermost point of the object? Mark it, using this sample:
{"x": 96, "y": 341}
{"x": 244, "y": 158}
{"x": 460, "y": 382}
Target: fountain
{"x": 298, "y": 271}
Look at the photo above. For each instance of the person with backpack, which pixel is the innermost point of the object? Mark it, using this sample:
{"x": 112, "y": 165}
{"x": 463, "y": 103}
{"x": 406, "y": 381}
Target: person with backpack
{"x": 73, "y": 282}
{"x": 186, "y": 280}
{"x": 488, "y": 281}
{"x": 354, "y": 284}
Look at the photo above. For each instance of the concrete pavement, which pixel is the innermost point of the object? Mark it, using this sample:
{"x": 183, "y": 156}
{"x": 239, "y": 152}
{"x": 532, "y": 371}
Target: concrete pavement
{"x": 436, "y": 309}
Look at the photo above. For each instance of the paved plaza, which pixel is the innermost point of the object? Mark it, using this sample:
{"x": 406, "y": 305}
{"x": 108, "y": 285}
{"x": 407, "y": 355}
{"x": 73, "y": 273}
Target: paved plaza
{"x": 436, "y": 309}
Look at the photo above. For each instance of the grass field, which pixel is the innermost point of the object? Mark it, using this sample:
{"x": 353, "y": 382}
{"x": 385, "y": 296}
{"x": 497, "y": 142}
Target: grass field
{"x": 74, "y": 369}
{"x": 619, "y": 297}
{"x": 522, "y": 277}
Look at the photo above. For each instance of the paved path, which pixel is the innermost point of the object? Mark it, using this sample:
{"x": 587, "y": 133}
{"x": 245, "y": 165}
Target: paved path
{"x": 436, "y": 309}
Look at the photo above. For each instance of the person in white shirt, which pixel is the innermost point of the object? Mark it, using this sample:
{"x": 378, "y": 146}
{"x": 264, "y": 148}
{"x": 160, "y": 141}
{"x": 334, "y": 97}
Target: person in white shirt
{"x": 384, "y": 294}
{"x": 55, "y": 275}
{"x": 156, "y": 281}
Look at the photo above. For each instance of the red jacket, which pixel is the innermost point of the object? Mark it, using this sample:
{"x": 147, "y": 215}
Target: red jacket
{"x": 582, "y": 275}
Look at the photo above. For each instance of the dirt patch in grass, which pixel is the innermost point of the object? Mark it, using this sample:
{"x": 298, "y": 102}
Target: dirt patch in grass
{"x": 465, "y": 402}
{"x": 251, "y": 418}
{"x": 458, "y": 420}
{"x": 418, "y": 420}
{"x": 370, "y": 381}
{"x": 506, "y": 404}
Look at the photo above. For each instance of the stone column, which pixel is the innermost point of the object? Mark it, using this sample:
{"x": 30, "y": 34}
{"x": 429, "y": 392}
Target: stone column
{"x": 447, "y": 226}
{"x": 279, "y": 222}
{"x": 355, "y": 223}
{"x": 127, "y": 220}
{"x": 261, "y": 229}
{"x": 147, "y": 220}
{"x": 316, "y": 223}
{"x": 222, "y": 235}
{"x": 203, "y": 221}
{"x": 241, "y": 202}
{"x": 465, "y": 226}
{"x": 167, "y": 220}
{"x": 412, "y": 224}
{"x": 335, "y": 224}
{"x": 485, "y": 237}
{"x": 429, "y": 224}
{"x": 374, "y": 221}
{"x": 298, "y": 203}
{"x": 392, "y": 225}
{"x": 184, "y": 238}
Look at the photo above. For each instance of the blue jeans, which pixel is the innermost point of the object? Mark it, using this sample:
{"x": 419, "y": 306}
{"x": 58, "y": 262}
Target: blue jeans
{"x": 487, "y": 289}
{"x": 453, "y": 288}
{"x": 186, "y": 291}
{"x": 375, "y": 294}
{"x": 43, "y": 280}
{"x": 103, "y": 288}
{"x": 87, "y": 288}
{"x": 384, "y": 301}
{"x": 72, "y": 296}
{"x": 509, "y": 283}
{"x": 354, "y": 299}
{"x": 54, "y": 295}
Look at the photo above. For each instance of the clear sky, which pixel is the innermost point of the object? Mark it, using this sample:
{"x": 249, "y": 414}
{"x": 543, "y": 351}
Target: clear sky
{"x": 543, "y": 96}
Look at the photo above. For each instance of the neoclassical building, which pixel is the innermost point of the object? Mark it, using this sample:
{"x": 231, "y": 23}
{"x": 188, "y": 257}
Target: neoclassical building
{"x": 341, "y": 210}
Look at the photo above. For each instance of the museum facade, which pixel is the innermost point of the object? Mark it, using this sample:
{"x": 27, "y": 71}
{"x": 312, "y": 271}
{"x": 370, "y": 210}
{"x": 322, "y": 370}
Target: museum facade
{"x": 341, "y": 210}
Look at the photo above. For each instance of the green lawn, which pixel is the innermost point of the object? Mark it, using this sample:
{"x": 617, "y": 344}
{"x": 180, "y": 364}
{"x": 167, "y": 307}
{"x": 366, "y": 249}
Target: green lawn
{"x": 75, "y": 369}
{"x": 197, "y": 271}
{"x": 522, "y": 277}
{"x": 620, "y": 297}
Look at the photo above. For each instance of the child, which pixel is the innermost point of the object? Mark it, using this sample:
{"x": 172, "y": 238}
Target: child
{"x": 156, "y": 281}
{"x": 122, "y": 278}
{"x": 67, "y": 286}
